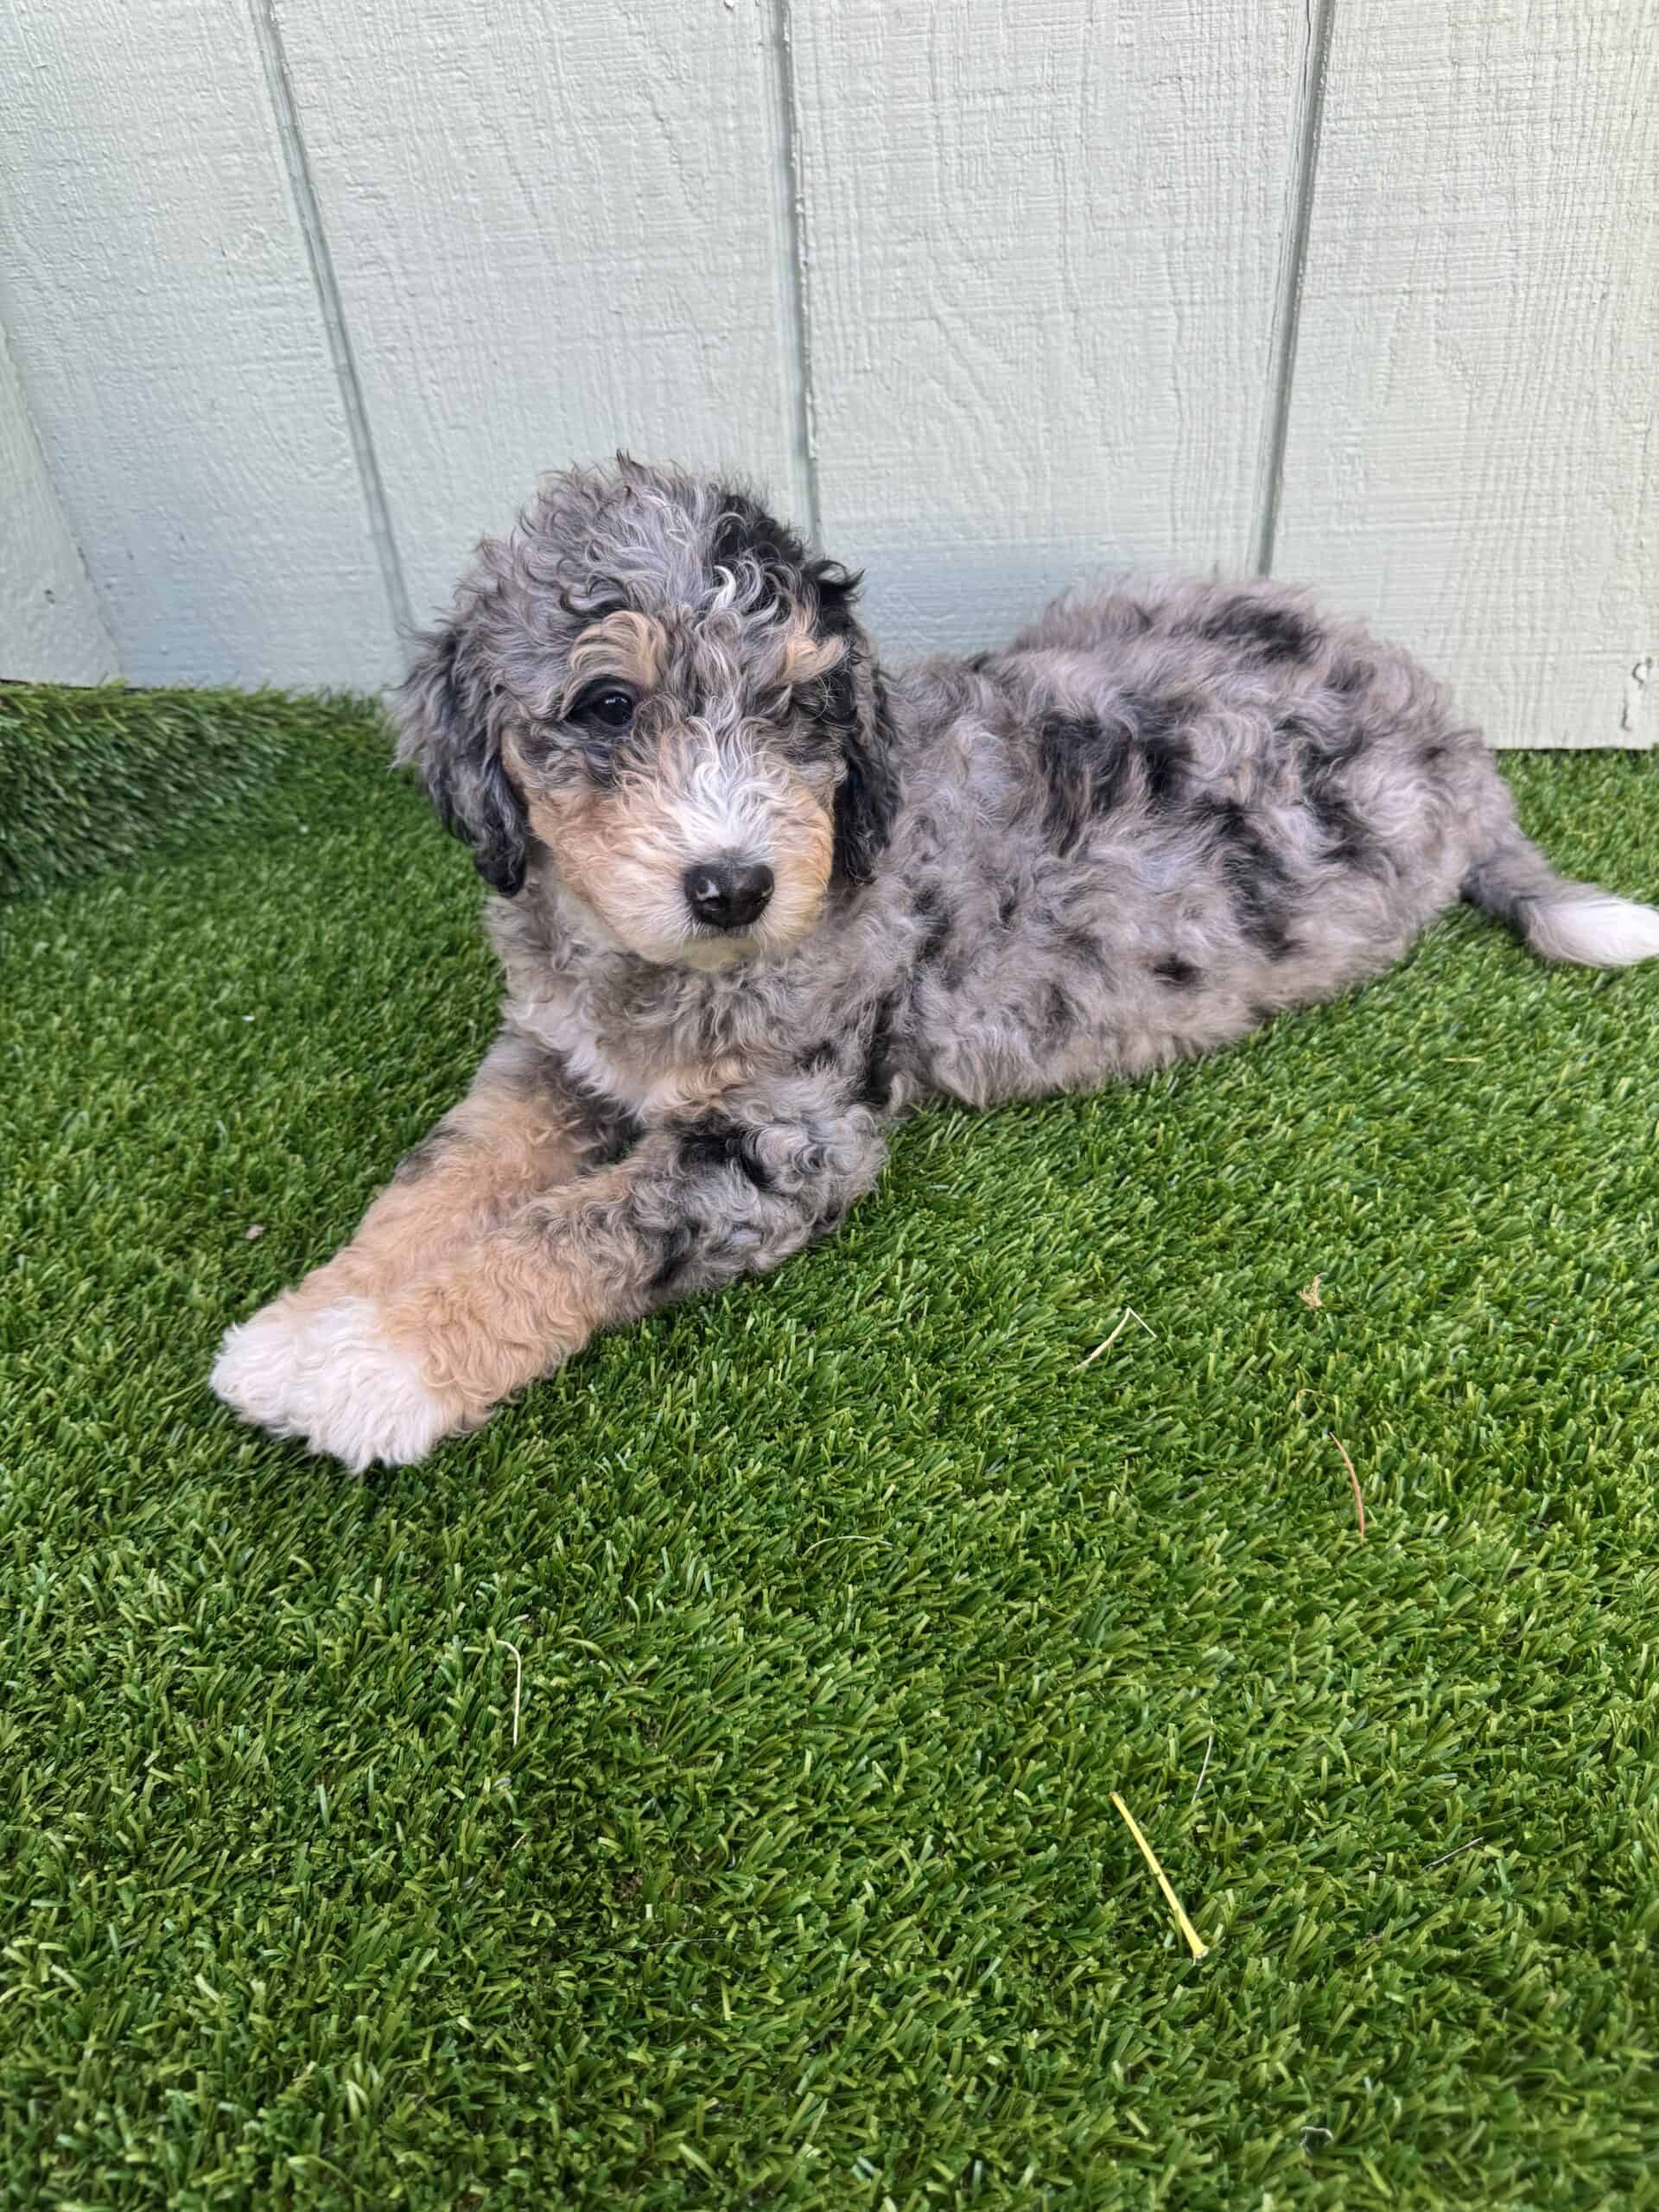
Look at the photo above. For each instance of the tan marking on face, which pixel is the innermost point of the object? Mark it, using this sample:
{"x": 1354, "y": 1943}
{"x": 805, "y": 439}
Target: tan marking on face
{"x": 801, "y": 864}
{"x": 624, "y": 851}
{"x": 626, "y": 644}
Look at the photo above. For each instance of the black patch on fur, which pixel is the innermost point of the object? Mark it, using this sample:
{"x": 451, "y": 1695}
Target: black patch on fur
{"x": 1154, "y": 722}
{"x": 1084, "y": 768}
{"x": 614, "y": 1141}
{"x": 1346, "y": 838}
{"x": 1322, "y": 767}
{"x": 929, "y": 909}
{"x": 1271, "y": 632}
{"x": 818, "y": 1058}
{"x": 1180, "y": 975}
{"x": 1165, "y": 761}
{"x": 1257, "y": 878}
{"x": 868, "y": 795}
{"x": 1006, "y": 907}
{"x": 834, "y": 588}
{"x": 1059, "y": 1018}
{"x": 713, "y": 1142}
{"x": 783, "y": 571}
{"x": 1088, "y": 951}
{"x": 838, "y": 702}
{"x": 677, "y": 1247}
{"x": 608, "y": 1130}
{"x": 875, "y": 1084}
{"x": 1351, "y": 676}
{"x": 978, "y": 663}
{"x": 1155, "y": 718}
{"x": 1432, "y": 754}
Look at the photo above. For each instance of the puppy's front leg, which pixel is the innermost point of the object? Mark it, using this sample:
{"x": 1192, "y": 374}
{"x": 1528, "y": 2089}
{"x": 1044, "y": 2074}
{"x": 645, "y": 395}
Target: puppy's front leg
{"x": 698, "y": 1202}
{"x": 316, "y": 1362}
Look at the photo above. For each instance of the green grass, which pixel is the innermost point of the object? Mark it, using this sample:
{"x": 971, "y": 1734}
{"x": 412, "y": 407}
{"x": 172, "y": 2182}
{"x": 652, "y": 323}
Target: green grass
{"x": 843, "y": 1602}
{"x": 101, "y": 778}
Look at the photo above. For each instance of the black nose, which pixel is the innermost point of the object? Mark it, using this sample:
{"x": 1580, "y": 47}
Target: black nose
{"x": 728, "y": 895}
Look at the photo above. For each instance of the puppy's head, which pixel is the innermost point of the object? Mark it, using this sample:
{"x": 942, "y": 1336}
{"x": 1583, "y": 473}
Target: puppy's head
{"x": 653, "y": 684}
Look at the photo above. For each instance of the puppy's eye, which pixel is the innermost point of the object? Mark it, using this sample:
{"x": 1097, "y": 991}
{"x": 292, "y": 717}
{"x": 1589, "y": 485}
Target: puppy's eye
{"x": 606, "y": 707}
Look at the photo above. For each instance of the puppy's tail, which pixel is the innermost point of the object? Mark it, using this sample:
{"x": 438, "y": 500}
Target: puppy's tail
{"x": 1560, "y": 920}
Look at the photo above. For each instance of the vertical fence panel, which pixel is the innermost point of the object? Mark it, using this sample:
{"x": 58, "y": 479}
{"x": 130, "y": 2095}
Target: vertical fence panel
{"x": 1031, "y": 336}
{"x": 1472, "y": 460}
{"x": 51, "y": 625}
{"x": 555, "y": 231}
{"x": 165, "y": 325}
{"x": 1044, "y": 243}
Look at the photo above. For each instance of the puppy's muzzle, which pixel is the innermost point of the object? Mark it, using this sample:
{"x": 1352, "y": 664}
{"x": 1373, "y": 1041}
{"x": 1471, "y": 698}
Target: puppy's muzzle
{"x": 728, "y": 893}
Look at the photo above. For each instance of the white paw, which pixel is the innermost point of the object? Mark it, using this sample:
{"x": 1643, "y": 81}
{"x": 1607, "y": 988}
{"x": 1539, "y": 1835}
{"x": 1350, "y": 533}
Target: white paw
{"x": 329, "y": 1376}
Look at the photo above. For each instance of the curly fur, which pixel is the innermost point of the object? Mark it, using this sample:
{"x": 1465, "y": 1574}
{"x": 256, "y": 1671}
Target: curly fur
{"x": 1157, "y": 818}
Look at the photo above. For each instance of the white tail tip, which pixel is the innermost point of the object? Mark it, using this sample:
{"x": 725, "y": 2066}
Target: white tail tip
{"x": 1598, "y": 931}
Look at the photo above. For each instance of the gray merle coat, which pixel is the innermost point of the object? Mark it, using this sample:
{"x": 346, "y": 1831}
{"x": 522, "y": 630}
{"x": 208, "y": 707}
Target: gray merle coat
{"x": 753, "y": 894}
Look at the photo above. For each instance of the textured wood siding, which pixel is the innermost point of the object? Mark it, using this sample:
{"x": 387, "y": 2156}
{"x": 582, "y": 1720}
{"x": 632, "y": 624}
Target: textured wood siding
{"x": 1043, "y": 250}
{"x": 1472, "y": 460}
{"x": 995, "y": 294}
{"x": 555, "y": 231}
{"x": 164, "y": 322}
{"x": 51, "y": 625}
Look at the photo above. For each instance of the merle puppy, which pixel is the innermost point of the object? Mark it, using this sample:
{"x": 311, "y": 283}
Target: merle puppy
{"x": 754, "y": 895}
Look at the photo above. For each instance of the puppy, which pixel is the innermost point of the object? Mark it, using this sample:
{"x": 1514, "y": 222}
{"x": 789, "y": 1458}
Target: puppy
{"x": 753, "y": 897}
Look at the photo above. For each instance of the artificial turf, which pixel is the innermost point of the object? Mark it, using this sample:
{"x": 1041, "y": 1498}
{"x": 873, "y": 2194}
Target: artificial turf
{"x": 842, "y": 1604}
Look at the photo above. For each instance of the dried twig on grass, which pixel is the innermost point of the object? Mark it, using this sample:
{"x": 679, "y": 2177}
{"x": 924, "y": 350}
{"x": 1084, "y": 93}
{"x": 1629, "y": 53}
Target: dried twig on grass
{"x": 1195, "y": 1943}
{"x": 1203, "y": 1769}
{"x": 1309, "y": 1294}
{"x": 1359, "y": 1502}
{"x": 1106, "y": 1342}
{"x": 518, "y": 1681}
{"x": 1446, "y": 1856}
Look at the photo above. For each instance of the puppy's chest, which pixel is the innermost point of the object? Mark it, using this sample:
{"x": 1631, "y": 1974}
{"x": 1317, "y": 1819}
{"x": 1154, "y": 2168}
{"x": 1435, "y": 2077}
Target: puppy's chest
{"x": 654, "y": 1053}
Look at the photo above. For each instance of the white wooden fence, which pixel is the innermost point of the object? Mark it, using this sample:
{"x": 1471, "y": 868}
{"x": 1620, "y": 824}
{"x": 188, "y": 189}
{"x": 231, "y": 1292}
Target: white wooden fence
{"x": 298, "y": 297}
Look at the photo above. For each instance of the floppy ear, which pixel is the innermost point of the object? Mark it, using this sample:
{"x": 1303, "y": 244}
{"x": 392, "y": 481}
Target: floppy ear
{"x": 855, "y": 706}
{"x": 868, "y": 792}
{"x": 448, "y": 729}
